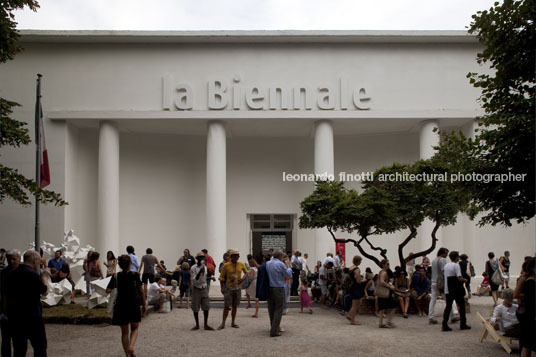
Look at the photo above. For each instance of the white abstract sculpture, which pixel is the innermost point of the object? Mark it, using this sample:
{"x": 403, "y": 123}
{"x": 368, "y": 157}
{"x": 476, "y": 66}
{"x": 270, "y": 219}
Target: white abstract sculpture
{"x": 99, "y": 297}
{"x": 73, "y": 255}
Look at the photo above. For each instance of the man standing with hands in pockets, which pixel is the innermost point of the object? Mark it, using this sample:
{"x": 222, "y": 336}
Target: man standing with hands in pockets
{"x": 277, "y": 271}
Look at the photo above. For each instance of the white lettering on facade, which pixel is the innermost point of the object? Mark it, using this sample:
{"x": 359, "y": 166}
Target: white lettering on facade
{"x": 220, "y": 95}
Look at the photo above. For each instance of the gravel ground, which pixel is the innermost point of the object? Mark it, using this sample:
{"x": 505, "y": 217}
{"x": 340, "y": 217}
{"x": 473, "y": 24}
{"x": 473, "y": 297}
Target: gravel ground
{"x": 324, "y": 333}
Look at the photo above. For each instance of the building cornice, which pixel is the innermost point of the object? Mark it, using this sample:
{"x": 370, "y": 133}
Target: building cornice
{"x": 292, "y": 36}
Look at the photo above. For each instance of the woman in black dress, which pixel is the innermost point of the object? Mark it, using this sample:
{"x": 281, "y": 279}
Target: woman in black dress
{"x": 130, "y": 299}
{"x": 356, "y": 289}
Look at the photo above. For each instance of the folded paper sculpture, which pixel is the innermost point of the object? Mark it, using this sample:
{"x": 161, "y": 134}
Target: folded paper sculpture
{"x": 74, "y": 255}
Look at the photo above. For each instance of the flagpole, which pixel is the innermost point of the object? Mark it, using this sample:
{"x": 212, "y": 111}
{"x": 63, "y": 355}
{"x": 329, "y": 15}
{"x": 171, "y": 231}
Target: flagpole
{"x": 37, "y": 160}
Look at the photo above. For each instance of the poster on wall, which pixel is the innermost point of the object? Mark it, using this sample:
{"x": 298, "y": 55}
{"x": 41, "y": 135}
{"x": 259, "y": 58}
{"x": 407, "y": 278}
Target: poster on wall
{"x": 273, "y": 240}
{"x": 340, "y": 246}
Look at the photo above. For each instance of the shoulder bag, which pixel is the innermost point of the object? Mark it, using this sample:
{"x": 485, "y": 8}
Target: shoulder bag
{"x": 381, "y": 291}
{"x": 497, "y": 277}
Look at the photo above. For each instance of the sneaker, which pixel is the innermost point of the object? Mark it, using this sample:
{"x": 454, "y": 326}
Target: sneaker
{"x": 432, "y": 321}
{"x": 445, "y": 328}
{"x": 465, "y": 327}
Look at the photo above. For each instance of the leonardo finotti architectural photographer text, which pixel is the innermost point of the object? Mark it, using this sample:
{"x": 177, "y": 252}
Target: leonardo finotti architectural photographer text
{"x": 404, "y": 176}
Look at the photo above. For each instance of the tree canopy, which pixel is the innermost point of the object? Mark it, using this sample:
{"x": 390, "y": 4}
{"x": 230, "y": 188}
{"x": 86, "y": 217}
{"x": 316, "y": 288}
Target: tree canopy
{"x": 387, "y": 204}
{"x": 14, "y": 133}
{"x": 505, "y": 141}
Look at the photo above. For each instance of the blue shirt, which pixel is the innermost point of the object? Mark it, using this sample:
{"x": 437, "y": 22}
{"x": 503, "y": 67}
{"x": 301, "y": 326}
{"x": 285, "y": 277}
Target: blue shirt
{"x": 420, "y": 286}
{"x": 277, "y": 273}
{"x": 134, "y": 263}
{"x": 54, "y": 264}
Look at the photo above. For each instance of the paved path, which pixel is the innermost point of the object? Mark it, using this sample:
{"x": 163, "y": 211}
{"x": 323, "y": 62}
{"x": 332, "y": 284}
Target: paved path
{"x": 324, "y": 333}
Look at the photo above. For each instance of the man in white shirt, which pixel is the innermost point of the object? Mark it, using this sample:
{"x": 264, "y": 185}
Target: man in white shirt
{"x": 157, "y": 294}
{"x": 454, "y": 291}
{"x": 438, "y": 265}
{"x": 505, "y": 315}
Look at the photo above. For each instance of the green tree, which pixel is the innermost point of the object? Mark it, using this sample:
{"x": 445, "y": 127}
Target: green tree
{"x": 387, "y": 205}
{"x": 12, "y": 132}
{"x": 505, "y": 142}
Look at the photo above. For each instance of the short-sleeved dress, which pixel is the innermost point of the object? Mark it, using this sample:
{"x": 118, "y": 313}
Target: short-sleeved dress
{"x": 252, "y": 289}
{"x": 128, "y": 301}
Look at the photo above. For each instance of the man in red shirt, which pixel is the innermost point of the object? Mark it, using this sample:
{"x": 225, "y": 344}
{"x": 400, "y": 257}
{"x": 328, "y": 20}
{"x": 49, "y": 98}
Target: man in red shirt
{"x": 211, "y": 268}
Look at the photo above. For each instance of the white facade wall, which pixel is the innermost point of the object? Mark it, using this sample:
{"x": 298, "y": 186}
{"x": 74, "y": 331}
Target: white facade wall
{"x": 162, "y": 164}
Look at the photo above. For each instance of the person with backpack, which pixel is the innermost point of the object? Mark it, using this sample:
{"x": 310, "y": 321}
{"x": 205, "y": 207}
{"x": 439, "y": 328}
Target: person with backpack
{"x": 211, "y": 268}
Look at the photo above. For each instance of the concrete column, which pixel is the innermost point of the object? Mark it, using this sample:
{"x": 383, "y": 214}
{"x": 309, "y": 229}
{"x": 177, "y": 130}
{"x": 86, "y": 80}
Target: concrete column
{"x": 216, "y": 190}
{"x": 427, "y": 140}
{"x": 108, "y": 189}
{"x": 324, "y": 163}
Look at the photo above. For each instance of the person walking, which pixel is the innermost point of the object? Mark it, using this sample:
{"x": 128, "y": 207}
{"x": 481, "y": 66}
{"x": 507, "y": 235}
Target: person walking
{"x": 277, "y": 271}
{"x": 148, "y": 262}
{"x": 492, "y": 265}
{"x": 438, "y": 265}
{"x": 200, "y": 299}
{"x": 454, "y": 291}
{"x": 130, "y": 297}
{"x": 25, "y": 287}
{"x": 13, "y": 262}
{"x": 356, "y": 289}
{"x": 231, "y": 280}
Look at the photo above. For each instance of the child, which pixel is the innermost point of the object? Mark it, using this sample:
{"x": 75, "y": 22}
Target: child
{"x": 484, "y": 288}
{"x": 184, "y": 284}
{"x": 305, "y": 299}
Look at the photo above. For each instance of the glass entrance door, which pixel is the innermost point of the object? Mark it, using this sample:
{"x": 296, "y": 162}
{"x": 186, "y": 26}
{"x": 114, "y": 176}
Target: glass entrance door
{"x": 270, "y": 231}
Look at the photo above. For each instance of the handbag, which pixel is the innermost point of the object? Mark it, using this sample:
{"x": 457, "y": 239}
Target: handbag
{"x": 440, "y": 283}
{"x": 497, "y": 277}
{"x": 381, "y": 291}
{"x": 471, "y": 270}
{"x": 111, "y": 299}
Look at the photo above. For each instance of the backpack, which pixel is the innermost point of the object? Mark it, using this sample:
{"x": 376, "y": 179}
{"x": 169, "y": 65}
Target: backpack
{"x": 211, "y": 269}
{"x": 263, "y": 283}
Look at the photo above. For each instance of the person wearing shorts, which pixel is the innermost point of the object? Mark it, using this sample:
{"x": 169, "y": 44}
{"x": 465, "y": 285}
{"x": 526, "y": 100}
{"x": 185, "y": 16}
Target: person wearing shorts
{"x": 232, "y": 275}
{"x": 148, "y": 262}
{"x": 184, "y": 284}
{"x": 323, "y": 281}
{"x": 200, "y": 299}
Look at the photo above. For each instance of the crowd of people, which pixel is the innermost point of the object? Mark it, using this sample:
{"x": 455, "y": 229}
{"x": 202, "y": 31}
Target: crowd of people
{"x": 273, "y": 277}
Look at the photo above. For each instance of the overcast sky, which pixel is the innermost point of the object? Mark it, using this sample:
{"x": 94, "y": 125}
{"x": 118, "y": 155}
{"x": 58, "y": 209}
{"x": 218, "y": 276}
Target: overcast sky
{"x": 251, "y": 14}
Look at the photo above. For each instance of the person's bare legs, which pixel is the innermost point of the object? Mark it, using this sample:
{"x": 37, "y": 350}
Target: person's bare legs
{"x": 406, "y": 306}
{"x": 390, "y": 317}
{"x": 249, "y": 301}
{"x": 353, "y": 311}
{"x": 233, "y": 316}
{"x": 495, "y": 297}
{"x": 205, "y": 321}
{"x": 380, "y": 317}
{"x": 401, "y": 303}
{"x": 180, "y": 302}
{"x": 376, "y": 306}
{"x": 187, "y": 302}
{"x": 125, "y": 342}
{"x": 224, "y": 318}
{"x": 256, "y": 308}
{"x": 133, "y": 336}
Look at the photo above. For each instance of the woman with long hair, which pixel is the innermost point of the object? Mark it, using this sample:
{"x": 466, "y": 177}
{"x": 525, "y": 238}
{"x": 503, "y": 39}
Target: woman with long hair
{"x": 130, "y": 298}
{"x": 110, "y": 263}
{"x": 402, "y": 291}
